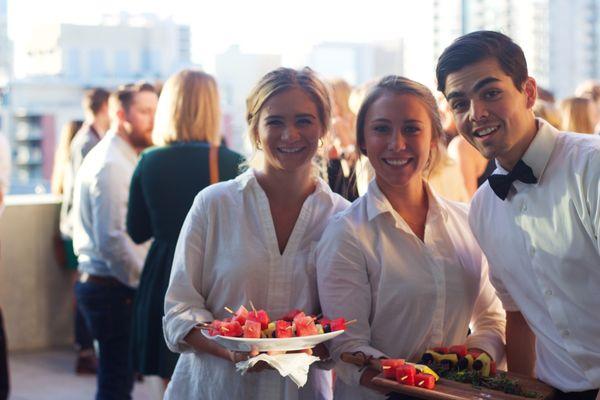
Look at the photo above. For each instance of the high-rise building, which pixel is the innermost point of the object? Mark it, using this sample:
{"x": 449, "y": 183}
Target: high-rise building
{"x": 6, "y": 49}
{"x": 560, "y": 38}
{"x": 574, "y": 43}
{"x": 121, "y": 49}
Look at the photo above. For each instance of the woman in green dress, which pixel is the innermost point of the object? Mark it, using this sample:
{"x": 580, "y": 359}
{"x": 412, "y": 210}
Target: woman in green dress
{"x": 166, "y": 180}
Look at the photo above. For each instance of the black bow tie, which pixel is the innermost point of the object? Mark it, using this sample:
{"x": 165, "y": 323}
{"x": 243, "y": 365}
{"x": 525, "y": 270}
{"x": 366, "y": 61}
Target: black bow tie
{"x": 501, "y": 184}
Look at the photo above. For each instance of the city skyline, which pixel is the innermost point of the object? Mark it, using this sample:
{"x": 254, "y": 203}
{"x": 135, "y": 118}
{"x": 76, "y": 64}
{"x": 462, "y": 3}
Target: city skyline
{"x": 264, "y": 27}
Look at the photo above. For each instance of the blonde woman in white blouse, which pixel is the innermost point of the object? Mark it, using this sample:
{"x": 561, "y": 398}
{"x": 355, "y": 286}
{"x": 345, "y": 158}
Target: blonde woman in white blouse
{"x": 253, "y": 239}
{"x": 402, "y": 260}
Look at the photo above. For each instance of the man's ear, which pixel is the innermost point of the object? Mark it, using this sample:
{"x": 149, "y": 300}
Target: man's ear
{"x": 530, "y": 90}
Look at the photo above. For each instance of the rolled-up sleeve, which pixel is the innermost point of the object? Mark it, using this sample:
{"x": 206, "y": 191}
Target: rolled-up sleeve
{"x": 488, "y": 320}
{"x": 345, "y": 291}
{"x": 185, "y": 305}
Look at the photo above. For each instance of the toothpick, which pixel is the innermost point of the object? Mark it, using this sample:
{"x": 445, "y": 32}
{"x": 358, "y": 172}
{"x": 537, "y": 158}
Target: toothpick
{"x": 404, "y": 378}
{"x": 386, "y": 367}
{"x": 351, "y": 322}
{"x": 421, "y": 383}
{"x": 252, "y": 305}
{"x": 229, "y": 310}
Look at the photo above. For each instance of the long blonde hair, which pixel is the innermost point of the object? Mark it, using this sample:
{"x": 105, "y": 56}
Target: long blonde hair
{"x": 188, "y": 109}
{"x": 576, "y": 115}
{"x": 62, "y": 157}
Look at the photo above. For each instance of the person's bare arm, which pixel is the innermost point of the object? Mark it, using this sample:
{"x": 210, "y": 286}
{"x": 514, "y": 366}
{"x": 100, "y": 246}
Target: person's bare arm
{"x": 520, "y": 344}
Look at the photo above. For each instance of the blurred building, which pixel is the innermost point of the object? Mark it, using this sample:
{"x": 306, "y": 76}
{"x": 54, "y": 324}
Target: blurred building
{"x": 237, "y": 73}
{"x": 62, "y": 61}
{"x": 560, "y": 38}
{"x": 358, "y": 63}
{"x": 574, "y": 43}
{"x": 122, "y": 48}
{"x": 6, "y": 49}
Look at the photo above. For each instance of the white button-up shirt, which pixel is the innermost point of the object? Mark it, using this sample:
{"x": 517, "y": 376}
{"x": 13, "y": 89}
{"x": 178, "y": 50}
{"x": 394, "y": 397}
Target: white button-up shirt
{"x": 227, "y": 255}
{"x": 100, "y": 207}
{"x": 543, "y": 247}
{"x": 407, "y": 295}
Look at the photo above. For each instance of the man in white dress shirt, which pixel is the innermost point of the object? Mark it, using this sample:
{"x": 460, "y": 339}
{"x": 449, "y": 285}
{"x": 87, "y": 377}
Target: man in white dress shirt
{"x": 537, "y": 218}
{"x": 109, "y": 261}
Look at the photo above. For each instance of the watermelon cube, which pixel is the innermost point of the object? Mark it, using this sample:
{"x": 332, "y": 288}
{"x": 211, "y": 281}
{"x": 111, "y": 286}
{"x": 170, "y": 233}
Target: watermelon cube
{"x": 290, "y": 315}
{"x": 299, "y": 316}
{"x": 338, "y": 324}
{"x": 389, "y": 367}
{"x": 215, "y": 328}
{"x": 405, "y": 374}
{"x": 241, "y": 315}
{"x": 305, "y": 326}
{"x": 259, "y": 316}
{"x": 283, "y": 329}
{"x": 232, "y": 329}
{"x": 425, "y": 381}
{"x": 252, "y": 329}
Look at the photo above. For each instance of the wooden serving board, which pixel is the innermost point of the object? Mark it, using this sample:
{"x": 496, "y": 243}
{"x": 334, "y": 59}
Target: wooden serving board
{"x": 450, "y": 390}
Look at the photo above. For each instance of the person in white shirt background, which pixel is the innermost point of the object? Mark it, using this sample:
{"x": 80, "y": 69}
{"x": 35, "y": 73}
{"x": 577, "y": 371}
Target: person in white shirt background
{"x": 537, "y": 219}
{"x": 253, "y": 239}
{"x": 110, "y": 262}
{"x": 401, "y": 260}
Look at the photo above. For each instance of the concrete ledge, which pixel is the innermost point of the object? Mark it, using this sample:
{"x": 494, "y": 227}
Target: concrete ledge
{"x": 36, "y": 293}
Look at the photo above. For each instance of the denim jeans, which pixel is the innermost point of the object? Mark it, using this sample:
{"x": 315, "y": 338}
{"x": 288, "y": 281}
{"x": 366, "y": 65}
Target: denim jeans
{"x": 107, "y": 311}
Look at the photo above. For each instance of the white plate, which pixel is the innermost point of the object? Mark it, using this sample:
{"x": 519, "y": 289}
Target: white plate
{"x": 280, "y": 344}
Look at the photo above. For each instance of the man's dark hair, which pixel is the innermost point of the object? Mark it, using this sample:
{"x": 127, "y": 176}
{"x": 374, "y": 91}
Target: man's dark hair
{"x": 478, "y": 46}
{"x": 123, "y": 96}
{"x": 94, "y": 99}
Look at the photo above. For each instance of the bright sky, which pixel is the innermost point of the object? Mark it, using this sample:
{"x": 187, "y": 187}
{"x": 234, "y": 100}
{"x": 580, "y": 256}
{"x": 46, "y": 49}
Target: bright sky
{"x": 260, "y": 26}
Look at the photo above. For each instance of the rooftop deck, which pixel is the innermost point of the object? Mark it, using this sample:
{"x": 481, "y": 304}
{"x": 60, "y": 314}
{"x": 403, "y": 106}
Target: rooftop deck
{"x": 48, "y": 375}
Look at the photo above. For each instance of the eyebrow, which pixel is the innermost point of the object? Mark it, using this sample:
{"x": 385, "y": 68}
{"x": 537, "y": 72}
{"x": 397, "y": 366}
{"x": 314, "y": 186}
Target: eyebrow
{"x": 476, "y": 88}
{"x": 275, "y": 116}
{"x": 408, "y": 121}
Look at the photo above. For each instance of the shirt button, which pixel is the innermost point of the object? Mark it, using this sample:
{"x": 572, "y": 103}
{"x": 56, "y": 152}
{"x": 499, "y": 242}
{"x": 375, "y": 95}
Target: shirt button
{"x": 565, "y": 333}
{"x": 549, "y": 292}
{"x": 523, "y": 207}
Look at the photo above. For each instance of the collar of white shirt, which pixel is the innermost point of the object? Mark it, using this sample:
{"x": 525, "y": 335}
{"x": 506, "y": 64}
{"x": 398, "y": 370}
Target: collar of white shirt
{"x": 123, "y": 145}
{"x": 377, "y": 203}
{"x": 248, "y": 180}
{"x": 538, "y": 153}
